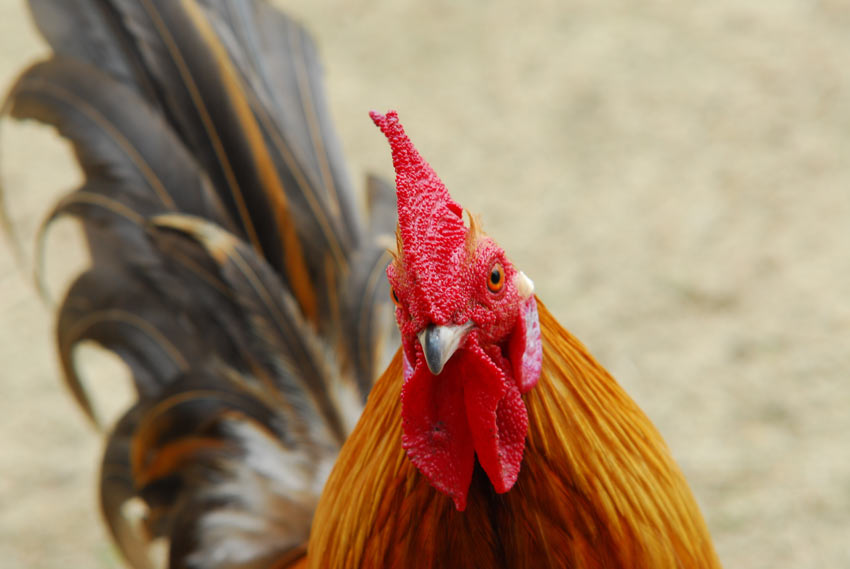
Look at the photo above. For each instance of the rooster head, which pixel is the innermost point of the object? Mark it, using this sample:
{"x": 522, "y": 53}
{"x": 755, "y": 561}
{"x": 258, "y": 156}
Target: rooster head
{"x": 470, "y": 334}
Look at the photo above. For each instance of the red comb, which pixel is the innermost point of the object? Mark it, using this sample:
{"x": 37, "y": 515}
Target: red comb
{"x": 431, "y": 222}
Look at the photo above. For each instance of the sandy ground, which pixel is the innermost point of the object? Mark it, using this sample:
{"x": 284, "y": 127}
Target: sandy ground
{"x": 675, "y": 177}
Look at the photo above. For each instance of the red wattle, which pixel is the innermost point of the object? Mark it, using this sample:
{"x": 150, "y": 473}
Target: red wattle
{"x": 471, "y": 408}
{"x": 497, "y": 418}
{"x": 435, "y": 432}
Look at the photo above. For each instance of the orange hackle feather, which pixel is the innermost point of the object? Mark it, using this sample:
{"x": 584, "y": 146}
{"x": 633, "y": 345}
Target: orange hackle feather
{"x": 598, "y": 487}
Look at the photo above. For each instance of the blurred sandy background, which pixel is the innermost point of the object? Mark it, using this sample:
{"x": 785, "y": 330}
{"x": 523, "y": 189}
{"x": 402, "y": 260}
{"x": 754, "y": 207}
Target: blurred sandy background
{"x": 675, "y": 177}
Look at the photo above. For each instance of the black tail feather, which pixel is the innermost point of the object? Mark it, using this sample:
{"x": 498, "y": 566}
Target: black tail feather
{"x": 230, "y": 268}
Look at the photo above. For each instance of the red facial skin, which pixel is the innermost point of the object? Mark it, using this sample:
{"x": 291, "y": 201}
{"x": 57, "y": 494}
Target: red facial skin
{"x": 442, "y": 276}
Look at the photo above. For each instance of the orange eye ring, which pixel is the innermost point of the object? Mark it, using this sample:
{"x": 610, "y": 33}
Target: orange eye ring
{"x": 394, "y": 296}
{"x": 496, "y": 278}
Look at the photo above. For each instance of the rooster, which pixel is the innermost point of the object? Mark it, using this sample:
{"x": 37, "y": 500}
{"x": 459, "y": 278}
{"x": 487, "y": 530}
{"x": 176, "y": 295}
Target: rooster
{"x": 517, "y": 448}
{"x": 234, "y": 275}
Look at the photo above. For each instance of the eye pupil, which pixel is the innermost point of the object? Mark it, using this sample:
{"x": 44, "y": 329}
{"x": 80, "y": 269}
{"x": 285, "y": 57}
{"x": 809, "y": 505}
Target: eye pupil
{"x": 395, "y": 297}
{"x": 495, "y": 276}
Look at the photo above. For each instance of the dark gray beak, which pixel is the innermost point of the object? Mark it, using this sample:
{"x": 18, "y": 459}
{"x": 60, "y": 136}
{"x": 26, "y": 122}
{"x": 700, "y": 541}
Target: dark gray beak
{"x": 440, "y": 342}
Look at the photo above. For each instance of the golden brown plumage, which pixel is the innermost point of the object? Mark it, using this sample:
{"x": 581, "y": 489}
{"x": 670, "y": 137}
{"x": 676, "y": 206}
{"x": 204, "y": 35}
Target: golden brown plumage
{"x": 598, "y": 487}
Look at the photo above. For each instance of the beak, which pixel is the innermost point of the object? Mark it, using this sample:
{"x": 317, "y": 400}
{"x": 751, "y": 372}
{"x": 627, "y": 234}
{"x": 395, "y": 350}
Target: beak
{"x": 440, "y": 342}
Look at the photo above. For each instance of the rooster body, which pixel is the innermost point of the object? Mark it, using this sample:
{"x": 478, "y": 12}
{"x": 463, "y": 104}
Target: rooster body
{"x": 597, "y": 488}
{"x": 234, "y": 275}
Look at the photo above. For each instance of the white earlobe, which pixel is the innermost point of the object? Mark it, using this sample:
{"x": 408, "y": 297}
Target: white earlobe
{"x": 523, "y": 284}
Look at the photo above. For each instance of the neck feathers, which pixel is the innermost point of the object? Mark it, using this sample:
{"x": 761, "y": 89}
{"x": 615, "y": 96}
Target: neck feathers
{"x": 597, "y": 487}
{"x": 597, "y": 475}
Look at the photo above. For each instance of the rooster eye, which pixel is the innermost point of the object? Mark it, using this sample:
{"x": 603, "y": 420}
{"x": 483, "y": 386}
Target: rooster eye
{"x": 396, "y": 301}
{"x": 497, "y": 278}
